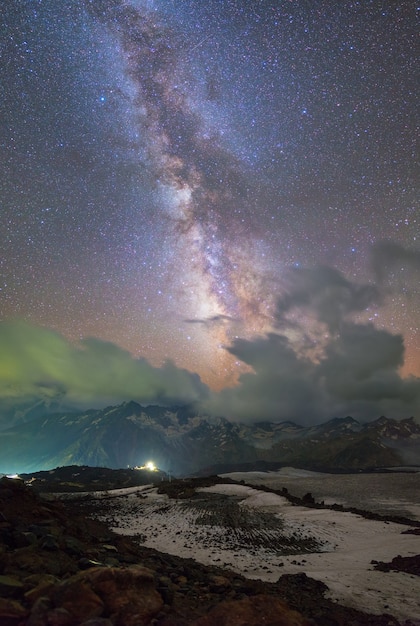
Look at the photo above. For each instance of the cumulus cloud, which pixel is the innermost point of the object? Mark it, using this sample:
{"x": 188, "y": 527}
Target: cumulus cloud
{"x": 327, "y": 293}
{"x": 39, "y": 363}
{"x": 356, "y": 371}
{"x": 358, "y": 375}
{"x": 282, "y": 385}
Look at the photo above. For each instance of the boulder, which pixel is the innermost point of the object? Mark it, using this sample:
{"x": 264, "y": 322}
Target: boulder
{"x": 127, "y": 595}
{"x": 10, "y": 587}
{"x": 12, "y": 612}
{"x": 77, "y": 598}
{"x": 219, "y": 584}
{"x": 253, "y": 611}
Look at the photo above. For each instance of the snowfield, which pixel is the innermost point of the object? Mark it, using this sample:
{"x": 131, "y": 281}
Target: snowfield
{"x": 261, "y": 535}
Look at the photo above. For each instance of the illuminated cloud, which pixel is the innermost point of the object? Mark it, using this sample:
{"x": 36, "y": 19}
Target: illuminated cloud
{"x": 326, "y": 293}
{"x": 355, "y": 370}
{"x": 39, "y": 363}
{"x": 356, "y": 373}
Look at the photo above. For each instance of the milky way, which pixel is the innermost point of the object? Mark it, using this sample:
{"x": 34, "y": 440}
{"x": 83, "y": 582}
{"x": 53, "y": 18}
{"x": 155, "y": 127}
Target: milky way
{"x": 171, "y": 172}
{"x": 202, "y": 188}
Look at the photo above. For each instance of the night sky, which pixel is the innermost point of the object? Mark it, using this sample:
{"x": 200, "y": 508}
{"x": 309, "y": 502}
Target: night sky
{"x": 212, "y": 201}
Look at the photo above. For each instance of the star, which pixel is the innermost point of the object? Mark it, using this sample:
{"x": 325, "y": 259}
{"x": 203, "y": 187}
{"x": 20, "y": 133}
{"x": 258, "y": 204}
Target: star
{"x": 166, "y": 168}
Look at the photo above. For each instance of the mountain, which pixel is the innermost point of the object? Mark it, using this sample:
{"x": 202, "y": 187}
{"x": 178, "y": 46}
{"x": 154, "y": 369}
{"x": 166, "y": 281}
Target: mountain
{"x": 14, "y": 413}
{"x": 180, "y": 441}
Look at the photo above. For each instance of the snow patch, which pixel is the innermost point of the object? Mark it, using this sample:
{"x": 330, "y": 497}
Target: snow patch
{"x": 347, "y": 543}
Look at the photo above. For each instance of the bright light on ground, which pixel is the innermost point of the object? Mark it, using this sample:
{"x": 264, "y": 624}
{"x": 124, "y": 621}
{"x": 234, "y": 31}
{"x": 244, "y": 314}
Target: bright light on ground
{"x": 149, "y": 466}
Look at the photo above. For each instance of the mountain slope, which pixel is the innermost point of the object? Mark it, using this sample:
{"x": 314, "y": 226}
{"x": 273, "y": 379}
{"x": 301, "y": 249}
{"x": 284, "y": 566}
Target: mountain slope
{"x": 180, "y": 441}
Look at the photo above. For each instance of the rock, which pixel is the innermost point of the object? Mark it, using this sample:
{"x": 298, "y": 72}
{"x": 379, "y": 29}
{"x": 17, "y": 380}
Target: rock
{"x": 6, "y": 535}
{"x": 12, "y": 613}
{"x": 37, "y": 579}
{"x": 34, "y": 561}
{"x": 38, "y": 616}
{"x": 308, "y": 498}
{"x": 45, "y": 584}
{"x": 218, "y": 584}
{"x": 6, "y": 493}
{"x": 109, "y": 548}
{"x": 128, "y": 593}
{"x": 49, "y": 542}
{"x": 165, "y": 588}
{"x": 110, "y": 562}
{"x": 74, "y": 546}
{"x": 10, "y": 587}
{"x": 253, "y": 611}
{"x": 181, "y": 580}
{"x": 60, "y": 617}
{"x": 78, "y": 598}
{"x": 38, "y": 530}
{"x": 97, "y": 621}
{"x": 25, "y": 539}
{"x": 408, "y": 564}
{"x": 85, "y": 563}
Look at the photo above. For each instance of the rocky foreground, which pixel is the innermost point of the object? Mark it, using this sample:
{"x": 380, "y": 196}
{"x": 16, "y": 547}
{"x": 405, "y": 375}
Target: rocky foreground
{"x": 59, "y": 567}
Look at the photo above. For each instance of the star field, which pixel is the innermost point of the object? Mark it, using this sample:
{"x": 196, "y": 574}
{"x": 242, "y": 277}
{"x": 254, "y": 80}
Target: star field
{"x": 169, "y": 171}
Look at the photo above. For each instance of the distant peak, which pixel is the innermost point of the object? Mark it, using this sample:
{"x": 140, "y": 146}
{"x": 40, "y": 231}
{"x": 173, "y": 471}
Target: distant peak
{"x": 131, "y": 403}
{"x": 342, "y": 420}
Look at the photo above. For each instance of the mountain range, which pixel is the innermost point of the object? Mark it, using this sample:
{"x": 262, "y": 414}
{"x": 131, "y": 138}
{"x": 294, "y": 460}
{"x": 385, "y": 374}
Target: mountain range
{"x": 182, "y": 442}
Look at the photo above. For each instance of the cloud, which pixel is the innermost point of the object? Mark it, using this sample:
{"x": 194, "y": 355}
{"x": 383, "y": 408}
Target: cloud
{"x": 326, "y": 293}
{"x": 214, "y": 320}
{"x": 355, "y": 371}
{"x": 39, "y": 363}
{"x": 391, "y": 260}
{"x": 282, "y": 386}
{"x": 358, "y": 375}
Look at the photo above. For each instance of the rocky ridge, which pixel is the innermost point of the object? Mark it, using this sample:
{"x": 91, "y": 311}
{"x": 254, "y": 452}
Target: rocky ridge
{"x": 182, "y": 441}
